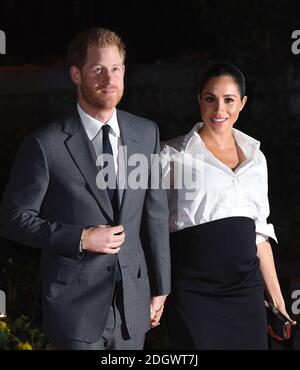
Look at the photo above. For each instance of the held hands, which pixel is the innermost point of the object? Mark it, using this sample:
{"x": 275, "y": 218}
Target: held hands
{"x": 156, "y": 309}
{"x": 108, "y": 239}
{"x": 103, "y": 239}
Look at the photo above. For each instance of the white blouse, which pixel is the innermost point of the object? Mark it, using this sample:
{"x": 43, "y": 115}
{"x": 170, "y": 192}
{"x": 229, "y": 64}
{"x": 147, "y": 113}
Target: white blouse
{"x": 202, "y": 189}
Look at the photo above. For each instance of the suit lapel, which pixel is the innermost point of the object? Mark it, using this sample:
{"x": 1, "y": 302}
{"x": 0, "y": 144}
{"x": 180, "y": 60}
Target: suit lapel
{"x": 83, "y": 154}
{"x": 130, "y": 140}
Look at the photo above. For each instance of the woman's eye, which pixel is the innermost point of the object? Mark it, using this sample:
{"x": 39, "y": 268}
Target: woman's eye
{"x": 209, "y": 99}
{"x": 229, "y": 100}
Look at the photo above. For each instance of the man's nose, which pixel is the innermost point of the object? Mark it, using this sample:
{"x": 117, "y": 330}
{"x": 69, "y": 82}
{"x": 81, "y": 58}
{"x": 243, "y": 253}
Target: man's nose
{"x": 106, "y": 76}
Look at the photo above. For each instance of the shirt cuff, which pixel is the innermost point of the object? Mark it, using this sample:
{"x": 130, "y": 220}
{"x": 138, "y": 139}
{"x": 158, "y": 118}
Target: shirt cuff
{"x": 265, "y": 231}
{"x": 80, "y": 243}
{"x": 260, "y": 238}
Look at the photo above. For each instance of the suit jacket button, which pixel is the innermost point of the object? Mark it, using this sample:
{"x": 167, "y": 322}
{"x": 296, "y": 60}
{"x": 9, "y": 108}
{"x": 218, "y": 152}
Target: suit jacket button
{"x": 110, "y": 268}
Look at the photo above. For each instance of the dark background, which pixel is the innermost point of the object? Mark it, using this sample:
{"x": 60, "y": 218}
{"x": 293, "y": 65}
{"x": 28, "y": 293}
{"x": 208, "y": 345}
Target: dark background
{"x": 168, "y": 45}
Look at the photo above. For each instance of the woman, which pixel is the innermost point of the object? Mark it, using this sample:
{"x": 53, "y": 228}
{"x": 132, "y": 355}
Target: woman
{"x": 222, "y": 260}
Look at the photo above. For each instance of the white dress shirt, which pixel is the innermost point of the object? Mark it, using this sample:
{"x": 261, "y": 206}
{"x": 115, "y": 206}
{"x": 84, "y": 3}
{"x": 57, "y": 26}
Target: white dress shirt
{"x": 93, "y": 128}
{"x": 95, "y": 134}
{"x": 218, "y": 192}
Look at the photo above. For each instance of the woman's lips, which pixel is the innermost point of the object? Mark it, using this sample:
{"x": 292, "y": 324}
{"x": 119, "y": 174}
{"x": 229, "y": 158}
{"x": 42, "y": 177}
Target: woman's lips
{"x": 218, "y": 121}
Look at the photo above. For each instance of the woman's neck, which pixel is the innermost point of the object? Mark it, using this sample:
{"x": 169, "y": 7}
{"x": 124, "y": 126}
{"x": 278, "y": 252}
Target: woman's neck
{"x": 220, "y": 140}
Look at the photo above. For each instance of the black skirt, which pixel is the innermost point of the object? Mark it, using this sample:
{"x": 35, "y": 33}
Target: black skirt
{"x": 217, "y": 299}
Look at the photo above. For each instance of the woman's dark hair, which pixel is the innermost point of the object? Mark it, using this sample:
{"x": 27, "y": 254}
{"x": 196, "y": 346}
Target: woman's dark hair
{"x": 224, "y": 69}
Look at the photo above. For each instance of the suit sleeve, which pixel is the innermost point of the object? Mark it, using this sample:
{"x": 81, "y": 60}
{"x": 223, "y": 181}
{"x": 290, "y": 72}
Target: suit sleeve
{"x": 156, "y": 218}
{"x": 22, "y": 202}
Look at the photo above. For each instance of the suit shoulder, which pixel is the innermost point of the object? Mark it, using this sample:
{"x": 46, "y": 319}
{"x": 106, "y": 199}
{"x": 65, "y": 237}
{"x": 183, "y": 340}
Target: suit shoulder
{"x": 51, "y": 130}
{"x": 134, "y": 119}
{"x": 48, "y": 130}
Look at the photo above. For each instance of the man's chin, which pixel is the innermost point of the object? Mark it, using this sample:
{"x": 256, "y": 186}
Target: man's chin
{"x": 107, "y": 104}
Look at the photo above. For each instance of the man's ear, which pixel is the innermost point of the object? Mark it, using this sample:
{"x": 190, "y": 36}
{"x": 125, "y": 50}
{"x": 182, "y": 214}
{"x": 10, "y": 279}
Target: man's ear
{"x": 75, "y": 75}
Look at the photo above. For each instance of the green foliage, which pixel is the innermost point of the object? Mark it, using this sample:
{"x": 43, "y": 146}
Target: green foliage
{"x": 20, "y": 334}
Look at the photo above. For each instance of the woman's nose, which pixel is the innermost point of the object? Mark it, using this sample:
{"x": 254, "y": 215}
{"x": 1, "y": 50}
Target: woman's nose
{"x": 219, "y": 106}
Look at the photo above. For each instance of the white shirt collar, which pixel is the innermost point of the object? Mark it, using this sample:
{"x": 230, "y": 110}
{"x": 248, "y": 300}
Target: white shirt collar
{"x": 249, "y": 145}
{"x": 93, "y": 126}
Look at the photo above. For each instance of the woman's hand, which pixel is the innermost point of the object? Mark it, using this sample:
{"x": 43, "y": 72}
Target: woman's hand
{"x": 156, "y": 308}
{"x": 282, "y": 309}
{"x": 268, "y": 270}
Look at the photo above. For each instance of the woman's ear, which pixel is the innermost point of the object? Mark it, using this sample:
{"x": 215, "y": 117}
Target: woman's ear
{"x": 244, "y": 102}
{"x": 199, "y": 98}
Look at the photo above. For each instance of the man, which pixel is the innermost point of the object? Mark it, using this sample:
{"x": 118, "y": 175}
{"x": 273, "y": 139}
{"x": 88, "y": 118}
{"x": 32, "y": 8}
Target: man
{"x": 100, "y": 288}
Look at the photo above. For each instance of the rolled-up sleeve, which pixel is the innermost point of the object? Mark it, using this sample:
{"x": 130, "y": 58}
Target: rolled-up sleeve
{"x": 264, "y": 230}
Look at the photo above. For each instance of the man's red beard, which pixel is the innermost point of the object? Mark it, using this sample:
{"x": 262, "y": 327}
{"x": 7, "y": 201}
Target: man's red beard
{"x": 97, "y": 99}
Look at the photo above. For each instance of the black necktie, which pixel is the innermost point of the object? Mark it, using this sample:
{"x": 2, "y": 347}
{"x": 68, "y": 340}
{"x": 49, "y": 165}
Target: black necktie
{"x": 112, "y": 191}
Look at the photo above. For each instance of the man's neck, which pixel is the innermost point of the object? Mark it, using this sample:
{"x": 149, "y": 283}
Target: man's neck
{"x": 102, "y": 115}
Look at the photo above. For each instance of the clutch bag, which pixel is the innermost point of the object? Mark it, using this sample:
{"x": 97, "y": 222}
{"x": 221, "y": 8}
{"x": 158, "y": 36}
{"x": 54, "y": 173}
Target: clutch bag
{"x": 279, "y": 326}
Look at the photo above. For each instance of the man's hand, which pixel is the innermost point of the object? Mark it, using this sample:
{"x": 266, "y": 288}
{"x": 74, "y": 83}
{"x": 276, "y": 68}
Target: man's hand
{"x": 156, "y": 309}
{"x": 103, "y": 239}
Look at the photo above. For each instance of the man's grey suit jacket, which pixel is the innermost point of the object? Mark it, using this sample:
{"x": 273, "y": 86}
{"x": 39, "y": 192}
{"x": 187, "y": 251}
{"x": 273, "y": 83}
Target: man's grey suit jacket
{"x": 52, "y": 194}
